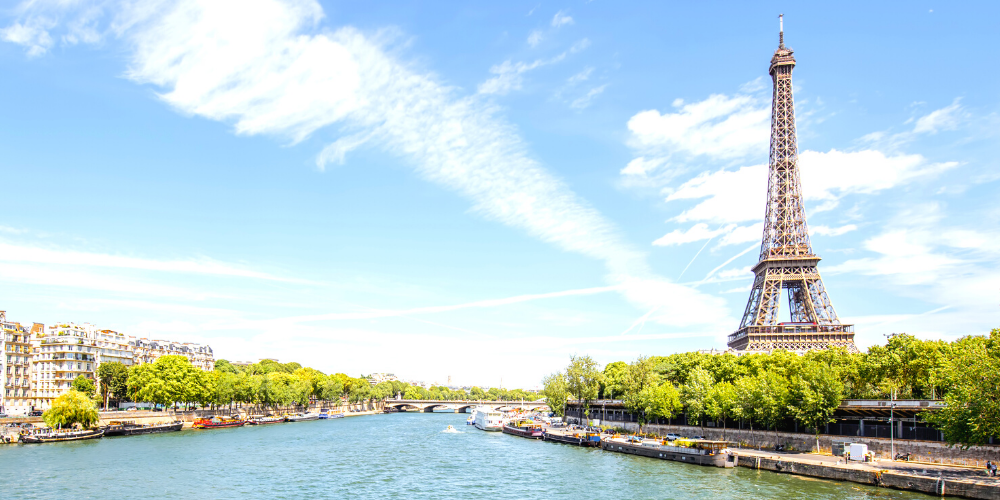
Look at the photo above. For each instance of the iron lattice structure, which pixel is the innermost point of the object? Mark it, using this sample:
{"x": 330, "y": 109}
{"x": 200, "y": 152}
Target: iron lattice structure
{"x": 787, "y": 260}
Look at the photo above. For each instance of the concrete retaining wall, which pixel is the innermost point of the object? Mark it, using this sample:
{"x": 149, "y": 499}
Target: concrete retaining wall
{"x": 921, "y": 451}
{"x": 966, "y": 489}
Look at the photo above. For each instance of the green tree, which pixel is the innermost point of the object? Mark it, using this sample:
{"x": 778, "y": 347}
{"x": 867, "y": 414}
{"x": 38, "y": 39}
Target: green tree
{"x": 167, "y": 381}
{"x": 659, "y": 401}
{"x": 477, "y": 394}
{"x": 971, "y": 372}
{"x": 110, "y": 375}
{"x": 814, "y": 394}
{"x": 749, "y": 397}
{"x": 555, "y": 391}
{"x": 331, "y": 389}
{"x": 225, "y": 366}
{"x": 613, "y": 382}
{"x": 84, "y": 385}
{"x": 73, "y": 407}
{"x": 638, "y": 377}
{"x": 695, "y": 394}
{"x": 583, "y": 380}
{"x": 721, "y": 403}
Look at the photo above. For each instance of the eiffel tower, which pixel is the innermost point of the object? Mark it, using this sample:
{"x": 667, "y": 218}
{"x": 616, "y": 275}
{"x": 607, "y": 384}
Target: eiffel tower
{"x": 787, "y": 260}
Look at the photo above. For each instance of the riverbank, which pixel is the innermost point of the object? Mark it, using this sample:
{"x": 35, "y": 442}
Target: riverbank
{"x": 908, "y": 476}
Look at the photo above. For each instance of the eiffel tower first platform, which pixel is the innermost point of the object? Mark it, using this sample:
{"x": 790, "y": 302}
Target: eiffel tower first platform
{"x": 787, "y": 260}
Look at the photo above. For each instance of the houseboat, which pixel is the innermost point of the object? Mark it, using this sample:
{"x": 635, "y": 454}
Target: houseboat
{"x": 265, "y": 419}
{"x": 570, "y": 435}
{"x": 301, "y": 417}
{"x": 524, "y": 428}
{"x": 130, "y": 428}
{"x": 58, "y": 436}
{"x": 218, "y": 422}
{"x": 697, "y": 451}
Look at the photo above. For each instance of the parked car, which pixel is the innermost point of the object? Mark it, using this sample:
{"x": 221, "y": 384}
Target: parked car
{"x": 35, "y": 413}
{"x": 132, "y": 408}
{"x": 3, "y": 415}
{"x": 698, "y": 437}
{"x": 671, "y": 436}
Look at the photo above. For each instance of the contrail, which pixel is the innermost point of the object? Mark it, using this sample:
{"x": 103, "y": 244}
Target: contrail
{"x": 695, "y": 256}
{"x": 439, "y": 309}
{"x": 724, "y": 264}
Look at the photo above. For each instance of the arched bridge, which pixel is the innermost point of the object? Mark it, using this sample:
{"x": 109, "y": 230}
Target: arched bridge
{"x": 428, "y": 406}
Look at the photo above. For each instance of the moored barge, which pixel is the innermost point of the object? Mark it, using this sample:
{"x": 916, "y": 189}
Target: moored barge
{"x": 61, "y": 436}
{"x": 218, "y": 423}
{"x": 701, "y": 452}
{"x": 130, "y": 428}
{"x": 524, "y": 428}
{"x": 264, "y": 420}
{"x": 571, "y": 436}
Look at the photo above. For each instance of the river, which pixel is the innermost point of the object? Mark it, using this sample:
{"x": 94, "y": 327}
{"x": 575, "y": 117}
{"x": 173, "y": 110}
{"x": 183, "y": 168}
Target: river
{"x": 403, "y": 455}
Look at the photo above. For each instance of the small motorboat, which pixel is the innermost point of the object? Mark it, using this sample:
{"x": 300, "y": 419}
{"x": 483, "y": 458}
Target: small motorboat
{"x": 451, "y": 430}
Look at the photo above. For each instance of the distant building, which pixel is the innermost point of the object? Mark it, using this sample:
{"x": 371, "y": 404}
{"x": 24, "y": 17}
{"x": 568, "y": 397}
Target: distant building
{"x": 378, "y": 378}
{"x": 15, "y": 368}
{"x": 148, "y": 351}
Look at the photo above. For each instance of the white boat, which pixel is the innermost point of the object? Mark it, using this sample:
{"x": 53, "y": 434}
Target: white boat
{"x": 489, "y": 420}
{"x": 302, "y": 417}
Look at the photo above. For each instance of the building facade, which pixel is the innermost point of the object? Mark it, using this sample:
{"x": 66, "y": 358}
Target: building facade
{"x": 15, "y": 368}
{"x": 148, "y": 351}
{"x": 61, "y": 354}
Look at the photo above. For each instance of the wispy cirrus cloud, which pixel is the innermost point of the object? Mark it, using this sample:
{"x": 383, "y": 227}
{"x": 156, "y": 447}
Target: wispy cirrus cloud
{"x": 38, "y": 255}
{"x": 509, "y": 75}
{"x": 561, "y": 19}
{"x": 272, "y": 72}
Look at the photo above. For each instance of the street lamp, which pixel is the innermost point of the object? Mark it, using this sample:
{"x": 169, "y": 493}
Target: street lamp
{"x": 892, "y": 440}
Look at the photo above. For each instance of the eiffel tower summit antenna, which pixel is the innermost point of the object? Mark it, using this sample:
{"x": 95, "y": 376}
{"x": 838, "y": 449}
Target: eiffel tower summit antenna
{"x": 787, "y": 261}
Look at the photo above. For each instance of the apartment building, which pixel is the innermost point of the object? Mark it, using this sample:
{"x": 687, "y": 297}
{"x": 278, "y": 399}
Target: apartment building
{"x": 15, "y": 368}
{"x": 148, "y": 351}
{"x": 61, "y": 354}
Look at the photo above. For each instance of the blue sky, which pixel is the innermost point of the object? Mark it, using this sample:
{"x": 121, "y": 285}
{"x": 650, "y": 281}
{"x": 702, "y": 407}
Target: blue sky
{"x": 437, "y": 189}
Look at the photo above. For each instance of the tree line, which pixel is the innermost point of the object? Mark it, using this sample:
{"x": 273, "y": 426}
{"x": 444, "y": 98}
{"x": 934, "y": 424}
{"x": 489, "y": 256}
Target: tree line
{"x": 767, "y": 389}
{"x": 173, "y": 380}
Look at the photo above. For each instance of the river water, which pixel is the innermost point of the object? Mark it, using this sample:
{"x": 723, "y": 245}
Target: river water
{"x": 403, "y": 455}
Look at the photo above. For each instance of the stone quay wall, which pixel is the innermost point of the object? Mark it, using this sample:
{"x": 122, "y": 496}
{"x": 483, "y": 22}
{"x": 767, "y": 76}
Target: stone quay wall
{"x": 887, "y": 479}
{"x": 920, "y": 451}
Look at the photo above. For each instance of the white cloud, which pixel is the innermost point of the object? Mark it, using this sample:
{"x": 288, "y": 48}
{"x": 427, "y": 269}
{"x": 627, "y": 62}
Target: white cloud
{"x": 584, "y": 101}
{"x": 33, "y": 35}
{"x": 508, "y": 77}
{"x": 740, "y": 195}
{"x": 743, "y": 272}
{"x": 831, "y": 231}
{"x": 696, "y": 232}
{"x": 581, "y": 76}
{"x": 535, "y": 38}
{"x": 509, "y": 74}
{"x": 17, "y": 253}
{"x": 946, "y": 118}
{"x": 743, "y": 234}
{"x": 720, "y": 127}
{"x": 561, "y": 19}
{"x": 641, "y": 166}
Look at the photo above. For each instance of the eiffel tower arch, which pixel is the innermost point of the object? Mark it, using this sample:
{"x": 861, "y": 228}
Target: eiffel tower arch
{"x": 787, "y": 261}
